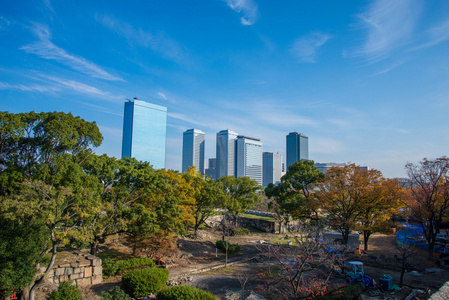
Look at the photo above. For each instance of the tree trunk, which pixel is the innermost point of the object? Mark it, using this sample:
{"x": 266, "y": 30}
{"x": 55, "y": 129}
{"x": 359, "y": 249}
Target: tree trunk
{"x": 93, "y": 247}
{"x": 366, "y": 235}
{"x": 345, "y": 236}
{"x": 50, "y": 265}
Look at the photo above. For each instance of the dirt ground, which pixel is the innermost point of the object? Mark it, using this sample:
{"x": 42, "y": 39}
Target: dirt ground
{"x": 226, "y": 283}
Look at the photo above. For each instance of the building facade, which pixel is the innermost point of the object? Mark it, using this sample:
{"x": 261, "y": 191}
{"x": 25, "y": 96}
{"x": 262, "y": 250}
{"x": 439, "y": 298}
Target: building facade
{"x": 145, "y": 132}
{"x": 297, "y": 148}
{"x": 193, "y": 150}
{"x": 211, "y": 170}
{"x": 323, "y": 167}
{"x": 225, "y": 152}
{"x": 272, "y": 168}
{"x": 249, "y": 158}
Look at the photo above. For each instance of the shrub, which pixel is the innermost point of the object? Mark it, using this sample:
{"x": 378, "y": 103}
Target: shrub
{"x": 184, "y": 292}
{"x": 232, "y": 248}
{"x": 142, "y": 282}
{"x": 115, "y": 294}
{"x": 66, "y": 291}
{"x": 112, "y": 267}
{"x": 240, "y": 231}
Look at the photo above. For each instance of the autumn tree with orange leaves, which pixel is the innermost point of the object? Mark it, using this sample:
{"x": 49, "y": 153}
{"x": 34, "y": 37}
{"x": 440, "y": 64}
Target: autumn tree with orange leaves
{"x": 356, "y": 199}
{"x": 429, "y": 200}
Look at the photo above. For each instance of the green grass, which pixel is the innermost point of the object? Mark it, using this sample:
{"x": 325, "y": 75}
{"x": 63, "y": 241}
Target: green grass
{"x": 283, "y": 241}
{"x": 258, "y": 217}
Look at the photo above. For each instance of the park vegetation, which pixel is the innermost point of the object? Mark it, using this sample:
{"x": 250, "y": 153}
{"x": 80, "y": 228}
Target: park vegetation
{"x": 55, "y": 191}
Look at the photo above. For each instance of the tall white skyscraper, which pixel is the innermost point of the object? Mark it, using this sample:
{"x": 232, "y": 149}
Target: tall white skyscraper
{"x": 225, "y": 153}
{"x": 249, "y": 158}
{"x": 193, "y": 150}
{"x": 144, "y": 132}
{"x": 272, "y": 168}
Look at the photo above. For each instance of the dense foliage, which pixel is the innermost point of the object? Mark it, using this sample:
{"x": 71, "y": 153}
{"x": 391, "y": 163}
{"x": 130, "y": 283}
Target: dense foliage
{"x": 115, "y": 293}
{"x": 184, "y": 292}
{"x": 231, "y": 248}
{"x": 142, "y": 282}
{"x": 112, "y": 267}
{"x": 65, "y": 291}
{"x": 240, "y": 231}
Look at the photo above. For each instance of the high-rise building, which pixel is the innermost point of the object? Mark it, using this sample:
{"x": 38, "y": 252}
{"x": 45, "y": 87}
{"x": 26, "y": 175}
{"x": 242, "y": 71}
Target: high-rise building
{"x": 211, "y": 170}
{"x": 193, "y": 150}
{"x": 272, "y": 168}
{"x": 249, "y": 158}
{"x": 297, "y": 148}
{"x": 226, "y": 153}
{"x": 144, "y": 132}
{"x": 324, "y": 167}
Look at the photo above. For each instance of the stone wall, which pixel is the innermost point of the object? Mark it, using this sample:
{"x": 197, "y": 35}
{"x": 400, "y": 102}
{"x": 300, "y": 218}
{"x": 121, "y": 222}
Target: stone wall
{"x": 84, "y": 270}
{"x": 268, "y": 225}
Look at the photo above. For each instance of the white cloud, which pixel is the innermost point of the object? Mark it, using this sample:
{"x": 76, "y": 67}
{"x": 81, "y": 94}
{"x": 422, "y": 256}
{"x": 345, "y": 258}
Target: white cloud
{"x": 437, "y": 35}
{"x": 28, "y": 87}
{"x": 4, "y": 23}
{"x": 305, "y": 48}
{"x": 388, "y": 25}
{"x": 163, "y": 96}
{"x": 247, "y": 7}
{"x": 165, "y": 46}
{"x": 184, "y": 118}
{"x": 47, "y": 50}
{"x": 79, "y": 87}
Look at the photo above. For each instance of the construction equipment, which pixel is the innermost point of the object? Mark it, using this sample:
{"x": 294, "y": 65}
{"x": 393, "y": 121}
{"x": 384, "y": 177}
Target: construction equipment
{"x": 353, "y": 273}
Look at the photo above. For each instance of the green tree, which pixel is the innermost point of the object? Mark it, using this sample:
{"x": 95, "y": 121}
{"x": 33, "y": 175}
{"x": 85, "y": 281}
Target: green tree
{"x": 242, "y": 193}
{"x": 41, "y": 179}
{"x": 292, "y": 196}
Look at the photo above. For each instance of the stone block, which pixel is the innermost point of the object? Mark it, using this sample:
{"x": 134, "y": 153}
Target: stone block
{"x": 76, "y": 276}
{"x": 75, "y": 264}
{"x": 83, "y": 281}
{"x": 97, "y": 279}
{"x": 51, "y": 273}
{"x": 95, "y": 262}
{"x": 63, "y": 278}
{"x": 68, "y": 271}
{"x": 55, "y": 280}
{"x": 78, "y": 270}
{"x": 84, "y": 263}
{"x": 88, "y": 272}
{"x": 98, "y": 270}
{"x": 65, "y": 265}
{"x": 59, "y": 271}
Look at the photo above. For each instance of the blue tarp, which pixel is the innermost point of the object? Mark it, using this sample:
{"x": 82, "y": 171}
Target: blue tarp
{"x": 413, "y": 235}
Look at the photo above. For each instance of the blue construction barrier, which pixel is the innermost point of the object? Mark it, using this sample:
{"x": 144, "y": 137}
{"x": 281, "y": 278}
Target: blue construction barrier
{"x": 413, "y": 237}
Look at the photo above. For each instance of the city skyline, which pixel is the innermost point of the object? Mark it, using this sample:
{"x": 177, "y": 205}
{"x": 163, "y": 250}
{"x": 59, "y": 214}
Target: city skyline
{"x": 193, "y": 150}
{"x": 363, "y": 79}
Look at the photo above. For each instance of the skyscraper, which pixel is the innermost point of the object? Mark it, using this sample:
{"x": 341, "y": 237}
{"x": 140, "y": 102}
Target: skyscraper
{"x": 272, "y": 168}
{"x": 193, "y": 150}
{"x": 297, "y": 148}
{"x": 211, "y": 171}
{"x": 225, "y": 153}
{"x": 144, "y": 132}
{"x": 249, "y": 158}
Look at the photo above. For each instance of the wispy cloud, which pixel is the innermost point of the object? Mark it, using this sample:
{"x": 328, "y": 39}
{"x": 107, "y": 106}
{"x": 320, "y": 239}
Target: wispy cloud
{"x": 163, "y": 96}
{"x": 47, "y": 50}
{"x": 184, "y": 118}
{"x": 78, "y": 87}
{"x": 4, "y": 23}
{"x": 388, "y": 25}
{"x": 247, "y": 7}
{"x": 28, "y": 87}
{"x": 160, "y": 43}
{"x": 305, "y": 48}
{"x": 436, "y": 36}
{"x": 326, "y": 146}
{"x": 387, "y": 69}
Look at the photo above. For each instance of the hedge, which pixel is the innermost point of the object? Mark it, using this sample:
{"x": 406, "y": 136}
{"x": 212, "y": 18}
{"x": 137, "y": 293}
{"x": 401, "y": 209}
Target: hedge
{"x": 184, "y": 292}
{"x": 142, "y": 282}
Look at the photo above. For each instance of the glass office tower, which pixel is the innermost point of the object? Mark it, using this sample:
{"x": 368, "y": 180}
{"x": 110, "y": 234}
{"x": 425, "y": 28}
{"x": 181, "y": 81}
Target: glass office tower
{"x": 193, "y": 150}
{"x": 144, "y": 132}
{"x": 249, "y": 158}
{"x": 272, "y": 168}
{"x": 225, "y": 153}
{"x": 297, "y": 147}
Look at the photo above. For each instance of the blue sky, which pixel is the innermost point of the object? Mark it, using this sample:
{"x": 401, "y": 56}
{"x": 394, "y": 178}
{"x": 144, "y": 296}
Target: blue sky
{"x": 367, "y": 81}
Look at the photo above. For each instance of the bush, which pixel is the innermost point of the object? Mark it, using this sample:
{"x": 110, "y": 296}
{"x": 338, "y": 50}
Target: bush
{"x": 184, "y": 292}
{"x": 66, "y": 291}
{"x": 142, "y": 282}
{"x": 240, "y": 231}
{"x": 115, "y": 294}
{"x": 112, "y": 267}
{"x": 231, "y": 247}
